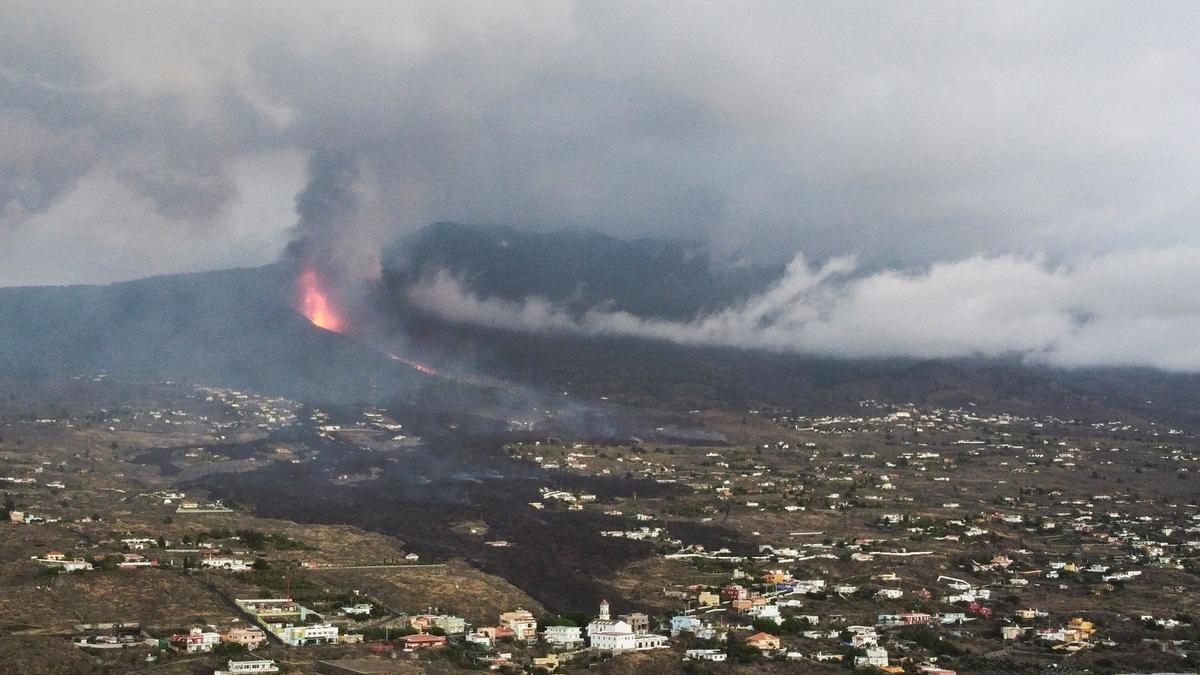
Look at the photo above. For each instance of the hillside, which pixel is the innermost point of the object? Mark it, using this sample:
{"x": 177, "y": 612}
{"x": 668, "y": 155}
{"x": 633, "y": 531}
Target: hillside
{"x": 582, "y": 269}
{"x": 230, "y": 327}
{"x": 238, "y": 328}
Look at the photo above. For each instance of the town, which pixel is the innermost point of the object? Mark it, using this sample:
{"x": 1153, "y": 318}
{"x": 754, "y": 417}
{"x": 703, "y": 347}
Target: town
{"x": 897, "y": 539}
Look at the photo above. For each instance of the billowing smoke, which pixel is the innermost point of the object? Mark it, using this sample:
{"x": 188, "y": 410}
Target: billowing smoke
{"x": 1096, "y": 310}
{"x": 161, "y": 138}
{"x": 336, "y": 241}
{"x": 339, "y": 227}
{"x": 1026, "y": 143}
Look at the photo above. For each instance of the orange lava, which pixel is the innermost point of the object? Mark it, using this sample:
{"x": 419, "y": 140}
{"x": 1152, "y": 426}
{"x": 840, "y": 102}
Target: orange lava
{"x": 315, "y": 305}
{"x": 416, "y": 365}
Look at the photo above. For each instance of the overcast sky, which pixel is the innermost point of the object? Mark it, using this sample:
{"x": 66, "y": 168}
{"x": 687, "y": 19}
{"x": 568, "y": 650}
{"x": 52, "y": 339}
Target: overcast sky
{"x": 1055, "y": 138}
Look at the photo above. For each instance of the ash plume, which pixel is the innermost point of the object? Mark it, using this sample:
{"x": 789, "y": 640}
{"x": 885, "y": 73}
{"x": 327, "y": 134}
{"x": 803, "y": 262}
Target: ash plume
{"x": 333, "y": 210}
{"x": 937, "y": 139}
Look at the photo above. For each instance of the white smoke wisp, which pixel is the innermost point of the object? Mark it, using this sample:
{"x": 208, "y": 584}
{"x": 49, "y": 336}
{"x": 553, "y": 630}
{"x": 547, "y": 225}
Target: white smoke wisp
{"x": 1091, "y": 311}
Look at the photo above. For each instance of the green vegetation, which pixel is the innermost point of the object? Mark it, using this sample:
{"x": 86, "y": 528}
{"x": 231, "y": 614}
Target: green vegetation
{"x": 382, "y": 633}
{"x": 255, "y": 539}
{"x": 737, "y": 650}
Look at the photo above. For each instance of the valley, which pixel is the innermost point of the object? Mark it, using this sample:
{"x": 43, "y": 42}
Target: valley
{"x": 962, "y": 539}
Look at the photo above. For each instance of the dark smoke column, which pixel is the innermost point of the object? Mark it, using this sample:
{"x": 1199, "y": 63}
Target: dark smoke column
{"x": 327, "y": 207}
{"x": 328, "y": 264}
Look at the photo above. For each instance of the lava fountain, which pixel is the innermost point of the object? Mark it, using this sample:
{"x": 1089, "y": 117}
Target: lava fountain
{"x": 315, "y": 305}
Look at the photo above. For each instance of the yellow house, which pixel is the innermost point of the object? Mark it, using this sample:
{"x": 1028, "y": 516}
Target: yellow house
{"x": 1081, "y": 627}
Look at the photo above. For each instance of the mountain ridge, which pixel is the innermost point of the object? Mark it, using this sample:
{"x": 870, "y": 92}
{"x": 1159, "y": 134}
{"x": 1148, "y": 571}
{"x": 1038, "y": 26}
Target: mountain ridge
{"x": 239, "y": 327}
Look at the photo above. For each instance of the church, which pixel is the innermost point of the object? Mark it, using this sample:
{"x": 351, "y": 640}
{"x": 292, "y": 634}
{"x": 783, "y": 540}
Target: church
{"x": 609, "y": 635}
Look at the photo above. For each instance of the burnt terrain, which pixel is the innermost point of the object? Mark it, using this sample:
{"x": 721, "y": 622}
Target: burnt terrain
{"x": 418, "y": 494}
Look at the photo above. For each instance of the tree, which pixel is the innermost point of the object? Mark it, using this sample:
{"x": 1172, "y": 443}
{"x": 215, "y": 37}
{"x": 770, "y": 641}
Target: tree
{"x": 50, "y": 571}
{"x": 793, "y": 625}
{"x": 260, "y": 564}
{"x": 556, "y": 621}
{"x": 766, "y": 626}
{"x": 736, "y": 648}
{"x": 252, "y": 538}
{"x": 230, "y": 649}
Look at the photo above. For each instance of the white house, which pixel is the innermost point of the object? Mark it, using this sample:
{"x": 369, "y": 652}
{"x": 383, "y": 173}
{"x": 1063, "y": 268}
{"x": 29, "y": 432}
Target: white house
{"x": 138, "y": 543}
{"x": 55, "y": 559}
{"x": 705, "y": 655}
{"x": 766, "y": 612}
{"x": 479, "y": 639}
{"x": 877, "y": 657}
{"x": 242, "y": 667}
{"x": 563, "y": 636}
{"x": 315, "y": 634}
{"x": 225, "y": 563}
{"x": 863, "y": 636}
{"x": 685, "y": 622}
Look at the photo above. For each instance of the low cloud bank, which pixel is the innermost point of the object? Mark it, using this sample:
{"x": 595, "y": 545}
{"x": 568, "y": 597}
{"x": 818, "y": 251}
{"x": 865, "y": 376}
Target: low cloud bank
{"x": 1121, "y": 308}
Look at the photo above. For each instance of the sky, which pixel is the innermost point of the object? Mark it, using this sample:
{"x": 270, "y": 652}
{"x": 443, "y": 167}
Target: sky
{"x": 1027, "y": 171}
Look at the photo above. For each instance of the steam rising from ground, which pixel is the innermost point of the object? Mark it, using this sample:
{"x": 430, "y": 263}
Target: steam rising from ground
{"x": 1098, "y": 310}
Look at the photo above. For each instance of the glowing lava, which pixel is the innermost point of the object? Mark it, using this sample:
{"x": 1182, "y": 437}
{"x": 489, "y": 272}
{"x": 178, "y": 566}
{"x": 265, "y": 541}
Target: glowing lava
{"x": 416, "y": 365}
{"x": 454, "y": 377}
{"x": 315, "y": 305}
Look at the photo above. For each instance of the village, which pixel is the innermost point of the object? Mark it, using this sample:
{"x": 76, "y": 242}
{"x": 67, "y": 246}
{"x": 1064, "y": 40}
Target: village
{"x": 900, "y": 540}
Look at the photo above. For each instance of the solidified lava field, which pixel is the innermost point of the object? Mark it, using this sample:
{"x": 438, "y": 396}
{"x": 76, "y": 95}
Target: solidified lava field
{"x": 417, "y": 494}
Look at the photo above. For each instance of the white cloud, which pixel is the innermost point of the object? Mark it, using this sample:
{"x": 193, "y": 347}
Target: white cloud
{"x": 103, "y": 230}
{"x": 1106, "y": 309}
{"x": 902, "y": 133}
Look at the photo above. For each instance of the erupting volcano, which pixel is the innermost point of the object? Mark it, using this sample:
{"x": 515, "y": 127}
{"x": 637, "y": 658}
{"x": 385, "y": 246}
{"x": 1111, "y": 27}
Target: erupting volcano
{"x": 315, "y": 305}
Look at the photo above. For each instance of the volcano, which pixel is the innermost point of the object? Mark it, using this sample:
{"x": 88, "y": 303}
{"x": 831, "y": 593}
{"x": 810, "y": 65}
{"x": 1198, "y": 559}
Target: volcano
{"x": 235, "y": 327}
{"x": 315, "y": 303}
{"x": 279, "y": 329}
